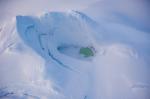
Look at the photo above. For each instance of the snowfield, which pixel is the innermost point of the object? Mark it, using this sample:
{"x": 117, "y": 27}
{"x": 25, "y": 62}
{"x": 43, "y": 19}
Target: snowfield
{"x": 40, "y": 59}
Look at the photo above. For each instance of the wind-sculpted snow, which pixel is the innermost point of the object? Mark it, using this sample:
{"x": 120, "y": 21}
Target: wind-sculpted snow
{"x": 55, "y": 69}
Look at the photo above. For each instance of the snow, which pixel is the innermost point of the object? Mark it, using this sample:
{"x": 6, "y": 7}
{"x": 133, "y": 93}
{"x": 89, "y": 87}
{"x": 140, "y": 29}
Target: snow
{"x": 32, "y": 66}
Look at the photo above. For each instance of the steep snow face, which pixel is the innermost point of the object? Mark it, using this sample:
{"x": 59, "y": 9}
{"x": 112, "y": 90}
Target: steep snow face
{"x": 54, "y": 31}
{"x": 46, "y": 35}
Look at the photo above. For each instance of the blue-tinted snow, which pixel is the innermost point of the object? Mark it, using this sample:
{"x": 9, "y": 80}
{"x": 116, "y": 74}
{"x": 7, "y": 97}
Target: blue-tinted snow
{"x": 120, "y": 68}
{"x": 115, "y": 69}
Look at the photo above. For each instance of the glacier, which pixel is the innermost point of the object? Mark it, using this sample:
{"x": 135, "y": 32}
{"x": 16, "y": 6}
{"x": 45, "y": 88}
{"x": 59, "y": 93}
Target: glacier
{"x": 40, "y": 59}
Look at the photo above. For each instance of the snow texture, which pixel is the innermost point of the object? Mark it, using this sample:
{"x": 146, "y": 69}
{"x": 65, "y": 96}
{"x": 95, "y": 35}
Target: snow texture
{"x": 33, "y": 66}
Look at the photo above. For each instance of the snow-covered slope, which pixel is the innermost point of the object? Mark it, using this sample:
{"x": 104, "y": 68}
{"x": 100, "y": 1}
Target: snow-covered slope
{"x": 51, "y": 67}
{"x": 133, "y": 13}
{"x": 21, "y": 69}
